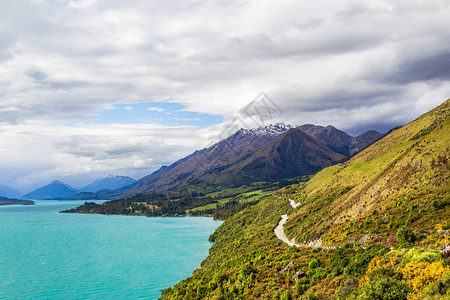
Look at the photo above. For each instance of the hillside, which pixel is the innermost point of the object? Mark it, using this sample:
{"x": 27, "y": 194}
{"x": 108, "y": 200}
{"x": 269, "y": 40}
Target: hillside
{"x": 397, "y": 181}
{"x": 383, "y": 215}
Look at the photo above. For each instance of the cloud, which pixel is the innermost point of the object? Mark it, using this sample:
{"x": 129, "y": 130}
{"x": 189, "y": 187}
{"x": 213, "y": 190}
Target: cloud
{"x": 158, "y": 109}
{"x": 34, "y": 153}
{"x": 355, "y": 65}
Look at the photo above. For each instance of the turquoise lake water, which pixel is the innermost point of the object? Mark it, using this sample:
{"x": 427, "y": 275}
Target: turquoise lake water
{"x": 47, "y": 255}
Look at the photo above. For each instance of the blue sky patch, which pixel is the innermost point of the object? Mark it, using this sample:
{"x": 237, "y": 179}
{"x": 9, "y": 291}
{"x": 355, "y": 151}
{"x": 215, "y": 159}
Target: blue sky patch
{"x": 170, "y": 114}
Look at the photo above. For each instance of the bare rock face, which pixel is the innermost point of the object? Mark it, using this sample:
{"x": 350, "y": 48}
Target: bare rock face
{"x": 288, "y": 268}
{"x": 445, "y": 253}
{"x": 298, "y": 275}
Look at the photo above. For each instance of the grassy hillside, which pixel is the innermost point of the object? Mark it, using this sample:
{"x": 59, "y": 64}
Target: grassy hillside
{"x": 401, "y": 180}
{"x": 385, "y": 215}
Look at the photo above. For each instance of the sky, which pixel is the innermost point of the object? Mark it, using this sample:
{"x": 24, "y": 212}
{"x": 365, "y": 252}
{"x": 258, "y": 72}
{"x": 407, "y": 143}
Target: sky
{"x": 96, "y": 87}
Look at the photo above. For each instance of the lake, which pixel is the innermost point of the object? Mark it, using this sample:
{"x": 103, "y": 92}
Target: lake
{"x": 47, "y": 255}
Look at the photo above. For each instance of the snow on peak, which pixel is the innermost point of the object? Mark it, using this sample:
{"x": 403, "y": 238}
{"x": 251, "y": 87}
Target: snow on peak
{"x": 271, "y": 129}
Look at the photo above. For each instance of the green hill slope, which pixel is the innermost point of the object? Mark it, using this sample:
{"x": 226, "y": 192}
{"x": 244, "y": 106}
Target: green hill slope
{"x": 385, "y": 215}
{"x": 401, "y": 180}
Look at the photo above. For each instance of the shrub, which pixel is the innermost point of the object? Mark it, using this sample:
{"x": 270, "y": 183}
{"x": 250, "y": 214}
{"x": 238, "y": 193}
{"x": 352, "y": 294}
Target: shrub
{"x": 405, "y": 237}
{"x": 314, "y": 263}
{"x": 301, "y": 286}
{"x": 416, "y": 255}
{"x": 440, "y": 203}
{"x": 422, "y": 274}
{"x": 383, "y": 288}
{"x": 438, "y": 289}
{"x": 247, "y": 270}
{"x": 285, "y": 295}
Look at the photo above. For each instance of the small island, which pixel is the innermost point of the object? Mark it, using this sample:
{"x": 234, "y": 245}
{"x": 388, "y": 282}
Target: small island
{"x": 8, "y": 201}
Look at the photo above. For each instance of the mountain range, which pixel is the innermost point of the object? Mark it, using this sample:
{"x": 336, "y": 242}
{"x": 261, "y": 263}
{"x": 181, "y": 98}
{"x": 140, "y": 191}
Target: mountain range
{"x": 59, "y": 190}
{"x": 109, "y": 182}
{"x": 267, "y": 153}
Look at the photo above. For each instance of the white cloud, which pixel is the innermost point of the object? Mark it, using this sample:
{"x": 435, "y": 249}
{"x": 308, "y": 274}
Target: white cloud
{"x": 34, "y": 153}
{"x": 155, "y": 108}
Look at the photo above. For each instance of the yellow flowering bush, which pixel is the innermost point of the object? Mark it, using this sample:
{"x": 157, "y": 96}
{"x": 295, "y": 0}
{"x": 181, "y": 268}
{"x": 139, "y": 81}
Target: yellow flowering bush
{"x": 374, "y": 265}
{"x": 420, "y": 275}
{"x": 417, "y": 268}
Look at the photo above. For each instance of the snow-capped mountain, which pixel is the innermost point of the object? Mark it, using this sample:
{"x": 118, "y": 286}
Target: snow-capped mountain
{"x": 269, "y": 130}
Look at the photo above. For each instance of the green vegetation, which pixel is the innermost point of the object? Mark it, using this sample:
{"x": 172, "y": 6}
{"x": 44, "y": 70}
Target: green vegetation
{"x": 221, "y": 204}
{"x": 385, "y": 210}
{"x": 400, "y": 181}
{"x": 405, "y": 237}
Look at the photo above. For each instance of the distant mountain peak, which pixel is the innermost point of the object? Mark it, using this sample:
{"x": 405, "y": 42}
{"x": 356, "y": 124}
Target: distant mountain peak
{"x": 271, "y": 129}
{"x": 54, "y": 190}
{"x": 108, "y": 182}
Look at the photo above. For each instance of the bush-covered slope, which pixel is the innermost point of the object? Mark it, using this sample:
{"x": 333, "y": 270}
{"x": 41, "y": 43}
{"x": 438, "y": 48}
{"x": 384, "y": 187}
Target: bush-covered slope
{"x": 385, "y": 214}
{"x": 401, "y": 180}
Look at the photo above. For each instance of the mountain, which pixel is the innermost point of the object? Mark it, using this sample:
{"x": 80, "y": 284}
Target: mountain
{"x": 54, "y": 190}
{"x": 108, "y": 182}
{"x": 237, "y": 160}
{"x": 242, "y": 158}
{"x": 203, "y": 163}
{"x": 9, "y": 192}
{"x": 340, "y": 141}
{"x": 8, "y": 201}
{"x": 289, "y": 155}
{"x": 374, "y": 227}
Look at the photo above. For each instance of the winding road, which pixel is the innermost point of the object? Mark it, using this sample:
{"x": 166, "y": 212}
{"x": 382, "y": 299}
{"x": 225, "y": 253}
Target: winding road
{"x": 293, "y": 204}
{"x": 279, "y": 232}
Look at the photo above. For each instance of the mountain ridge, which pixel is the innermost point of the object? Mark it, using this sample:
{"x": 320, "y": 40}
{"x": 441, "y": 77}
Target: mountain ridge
{"x": 108, "y": 182}
{"x": 207, "y": 163}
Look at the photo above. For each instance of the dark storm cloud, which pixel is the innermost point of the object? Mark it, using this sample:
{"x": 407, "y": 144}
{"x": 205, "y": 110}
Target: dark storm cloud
{"x": 427, "y": 67}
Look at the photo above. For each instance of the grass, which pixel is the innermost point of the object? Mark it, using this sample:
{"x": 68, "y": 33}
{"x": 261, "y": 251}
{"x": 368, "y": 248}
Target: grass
{"x": 399, "y": 182}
